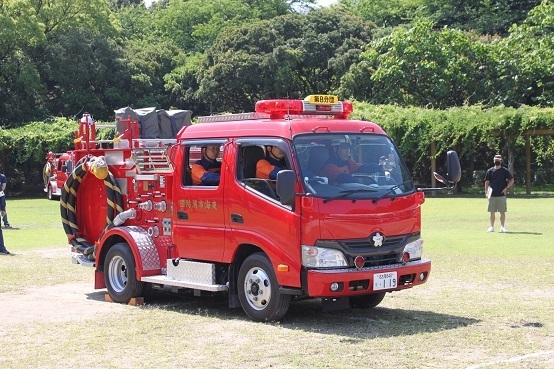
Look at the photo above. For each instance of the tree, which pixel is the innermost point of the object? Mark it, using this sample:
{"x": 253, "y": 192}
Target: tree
{"x": 62, "y": 15}
{"x": 483, "y": 16}
{"x": 20, "y": 87}
{"x": 195, "y": 24}
{"x": 81, "y": 70}
{"x": 526, "y": 60}
{"x": 28, "y": 28}
{"x": 384, "y": 13}
{"x": 423, "y": 67}
{"x": 289, "y": 56}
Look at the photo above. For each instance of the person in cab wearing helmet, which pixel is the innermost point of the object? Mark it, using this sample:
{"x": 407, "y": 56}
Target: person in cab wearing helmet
{"x": 273, "y": 163}
{"x": 340, "y": 167}
{"x": 206, "y": 171}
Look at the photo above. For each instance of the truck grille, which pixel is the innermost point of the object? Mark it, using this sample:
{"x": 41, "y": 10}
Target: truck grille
{"x": 389, "y": 253}
{"x": 364, "y": 242}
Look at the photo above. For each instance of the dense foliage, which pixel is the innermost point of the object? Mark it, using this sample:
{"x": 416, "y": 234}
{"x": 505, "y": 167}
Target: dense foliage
{"x": 452, "y": 58}
{"x": 23, "y": 151}
{"x": 476, "y": 133}
{"x": 60, "y": 58}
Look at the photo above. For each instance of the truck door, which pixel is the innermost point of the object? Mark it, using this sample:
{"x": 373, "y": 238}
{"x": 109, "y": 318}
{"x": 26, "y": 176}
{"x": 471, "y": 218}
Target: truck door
{"x": 199, "y": 228}
{"x": 255, "y": 215}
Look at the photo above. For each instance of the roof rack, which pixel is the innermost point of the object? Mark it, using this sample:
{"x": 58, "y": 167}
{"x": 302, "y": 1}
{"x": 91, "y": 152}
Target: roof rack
{"x": 232, "y": 117}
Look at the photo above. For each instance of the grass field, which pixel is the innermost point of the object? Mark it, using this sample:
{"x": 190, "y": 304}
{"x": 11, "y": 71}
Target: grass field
{"x": 489, "y": 303}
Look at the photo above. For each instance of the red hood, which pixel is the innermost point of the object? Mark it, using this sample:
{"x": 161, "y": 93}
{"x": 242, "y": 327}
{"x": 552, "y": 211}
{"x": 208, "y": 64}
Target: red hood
{"x": 342, "y": 219}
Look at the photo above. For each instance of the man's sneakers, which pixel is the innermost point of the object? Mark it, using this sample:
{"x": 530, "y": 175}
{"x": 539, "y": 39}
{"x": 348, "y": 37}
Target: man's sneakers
{"x": 491, "y": 229}
{"x": 5, "y": 252}
{"x": 7, "y": 226}
{"x": 503, "y": 230}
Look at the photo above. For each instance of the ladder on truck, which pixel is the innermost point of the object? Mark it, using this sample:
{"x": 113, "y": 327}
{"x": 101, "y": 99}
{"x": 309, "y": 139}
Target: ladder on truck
{"x": 151, "y": 156}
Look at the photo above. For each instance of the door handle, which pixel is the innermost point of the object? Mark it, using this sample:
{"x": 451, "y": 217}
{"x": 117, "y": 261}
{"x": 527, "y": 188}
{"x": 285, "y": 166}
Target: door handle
{"x": 182, "y": 215}
{"x": 237, "y": 218}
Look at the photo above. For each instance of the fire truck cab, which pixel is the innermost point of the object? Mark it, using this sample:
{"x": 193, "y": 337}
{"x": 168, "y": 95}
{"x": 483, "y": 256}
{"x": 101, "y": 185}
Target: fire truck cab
{"x": 341, "y": 220}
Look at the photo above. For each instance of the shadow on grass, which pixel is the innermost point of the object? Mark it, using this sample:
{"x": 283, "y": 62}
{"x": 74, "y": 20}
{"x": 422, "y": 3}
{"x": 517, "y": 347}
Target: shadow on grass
{"x": 353, "y": 324}
{"x": 530, "y": 233}
{"x": 361, "y": 324}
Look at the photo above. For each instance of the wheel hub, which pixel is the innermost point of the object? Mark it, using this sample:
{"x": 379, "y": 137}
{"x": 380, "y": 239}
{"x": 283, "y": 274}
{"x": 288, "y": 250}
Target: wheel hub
{"x": 117, "y": 273}
{"x": 257, "y": 288}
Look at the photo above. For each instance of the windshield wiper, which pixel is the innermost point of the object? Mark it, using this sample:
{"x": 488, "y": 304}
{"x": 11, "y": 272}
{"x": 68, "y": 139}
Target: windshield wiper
{"x": 346, "y": 193}
{"x": 390, "y": 190}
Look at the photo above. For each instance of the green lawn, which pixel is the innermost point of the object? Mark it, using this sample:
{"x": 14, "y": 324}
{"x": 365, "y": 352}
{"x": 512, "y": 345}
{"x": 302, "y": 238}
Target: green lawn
{"x": 37, "y": 224}
{"x": 489, "y": 303}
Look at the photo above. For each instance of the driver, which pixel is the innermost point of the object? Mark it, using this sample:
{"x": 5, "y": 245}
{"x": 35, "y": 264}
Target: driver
{"x": 273, "y": 163}
{"x": 206, "y": 171}
{"x": 340, "y": 167}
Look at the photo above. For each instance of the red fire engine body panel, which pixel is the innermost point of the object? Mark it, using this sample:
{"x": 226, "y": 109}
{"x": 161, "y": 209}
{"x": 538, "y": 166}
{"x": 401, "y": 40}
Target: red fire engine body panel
{"x": 332, "y": 239}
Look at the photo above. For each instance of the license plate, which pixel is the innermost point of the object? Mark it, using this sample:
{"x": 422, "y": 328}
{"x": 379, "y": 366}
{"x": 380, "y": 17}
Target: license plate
{"x": 384, "y": 281}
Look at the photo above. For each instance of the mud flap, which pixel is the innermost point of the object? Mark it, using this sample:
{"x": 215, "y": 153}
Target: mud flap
{"x": 234, "y": 301}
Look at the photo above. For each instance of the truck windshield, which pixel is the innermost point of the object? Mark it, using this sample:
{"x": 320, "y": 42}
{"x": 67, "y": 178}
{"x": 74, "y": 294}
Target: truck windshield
{"x": 351, "y": 166}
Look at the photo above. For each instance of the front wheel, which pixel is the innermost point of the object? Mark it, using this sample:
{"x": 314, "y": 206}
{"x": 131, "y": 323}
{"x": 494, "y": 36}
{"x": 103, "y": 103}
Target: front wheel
{"x": 367, "y": 301}
{"x": 120, "y": 274}
{"x": 259, "y": 291}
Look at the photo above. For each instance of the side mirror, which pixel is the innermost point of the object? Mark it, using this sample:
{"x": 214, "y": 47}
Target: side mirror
{"x": 453, "y": 175}
{"x": 453, "y": 168}
{"x": 286, "y": 187}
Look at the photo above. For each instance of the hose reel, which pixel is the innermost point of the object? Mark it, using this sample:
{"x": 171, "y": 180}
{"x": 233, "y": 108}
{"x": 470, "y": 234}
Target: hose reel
{"x": 68, "y": 202}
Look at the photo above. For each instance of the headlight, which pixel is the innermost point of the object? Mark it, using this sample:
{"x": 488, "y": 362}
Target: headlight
{"x": 415, "y": 249}
{"x": 322, "y": 257}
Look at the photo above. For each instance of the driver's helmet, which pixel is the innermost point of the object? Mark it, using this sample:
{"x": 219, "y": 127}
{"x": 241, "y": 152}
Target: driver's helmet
{"x": 344, "y": 143}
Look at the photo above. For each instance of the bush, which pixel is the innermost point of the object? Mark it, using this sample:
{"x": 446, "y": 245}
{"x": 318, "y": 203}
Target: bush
{"x": 23, "y": 151}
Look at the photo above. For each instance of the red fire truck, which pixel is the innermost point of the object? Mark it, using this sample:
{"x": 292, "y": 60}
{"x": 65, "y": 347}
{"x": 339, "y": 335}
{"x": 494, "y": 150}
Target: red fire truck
{"x": 132, "y": 213}
{"x": 55, "y": 172}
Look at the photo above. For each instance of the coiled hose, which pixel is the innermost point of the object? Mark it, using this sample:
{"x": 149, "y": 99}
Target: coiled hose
{"x": 69, "y": 199}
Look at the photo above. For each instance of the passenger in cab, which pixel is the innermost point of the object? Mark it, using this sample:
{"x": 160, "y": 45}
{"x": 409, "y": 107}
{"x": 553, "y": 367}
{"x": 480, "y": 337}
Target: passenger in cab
{"x": 273, "y": 163}
{"x": 206, "y": 171}
{"x": 340, "y": 167}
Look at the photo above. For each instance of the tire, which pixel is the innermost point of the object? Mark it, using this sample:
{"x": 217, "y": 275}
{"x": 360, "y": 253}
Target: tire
{"x": 120, "y": 274}
{"x": 259, "y": 291}
{"x": 367, "y": 301}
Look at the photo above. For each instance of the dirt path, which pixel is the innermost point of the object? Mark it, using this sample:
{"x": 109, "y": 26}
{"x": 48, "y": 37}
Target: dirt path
{"x": 76, "y": 301}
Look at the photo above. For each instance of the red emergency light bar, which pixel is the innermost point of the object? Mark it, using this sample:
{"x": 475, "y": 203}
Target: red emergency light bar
{"x": 311, "y": 105}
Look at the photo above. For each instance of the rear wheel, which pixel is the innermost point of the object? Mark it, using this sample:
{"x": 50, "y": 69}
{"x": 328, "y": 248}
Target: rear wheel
{"x": 259, "y": 291}
{"x": 367, "y": 301}
{"x": 120, "y": 274}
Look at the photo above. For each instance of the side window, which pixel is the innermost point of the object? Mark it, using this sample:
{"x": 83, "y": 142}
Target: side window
{"x": 202, "y": 164}
{"x": 259, "y": 163}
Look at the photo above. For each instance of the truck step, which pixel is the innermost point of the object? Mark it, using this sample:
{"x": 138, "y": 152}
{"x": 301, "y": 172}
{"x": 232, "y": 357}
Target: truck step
{"x": 165, "y": 280}
{"x": 78, "y": 258}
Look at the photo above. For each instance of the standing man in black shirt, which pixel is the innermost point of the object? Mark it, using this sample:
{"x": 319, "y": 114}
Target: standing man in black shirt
{"x": 497, "y": 182}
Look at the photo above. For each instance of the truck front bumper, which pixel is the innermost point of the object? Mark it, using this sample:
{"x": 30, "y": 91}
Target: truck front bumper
{"x": 332, "y": 283}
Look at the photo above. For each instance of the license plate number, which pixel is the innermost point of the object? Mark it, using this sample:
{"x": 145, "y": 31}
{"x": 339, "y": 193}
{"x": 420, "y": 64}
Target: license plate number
{"x": 384, "y": 281}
